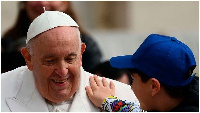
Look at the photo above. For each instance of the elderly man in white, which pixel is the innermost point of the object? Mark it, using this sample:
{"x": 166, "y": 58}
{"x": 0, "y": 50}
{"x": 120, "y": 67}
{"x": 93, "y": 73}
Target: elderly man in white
{"x": 53, "y": 79}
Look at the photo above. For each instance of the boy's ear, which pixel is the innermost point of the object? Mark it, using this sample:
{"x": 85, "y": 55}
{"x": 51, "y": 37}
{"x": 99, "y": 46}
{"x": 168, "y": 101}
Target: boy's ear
{"x": 27, "y": 57}
{"x": 155, "y": 86}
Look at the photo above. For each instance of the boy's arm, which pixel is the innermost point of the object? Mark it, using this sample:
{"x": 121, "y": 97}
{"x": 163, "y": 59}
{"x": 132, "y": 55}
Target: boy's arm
{"x": 99, "y": 91}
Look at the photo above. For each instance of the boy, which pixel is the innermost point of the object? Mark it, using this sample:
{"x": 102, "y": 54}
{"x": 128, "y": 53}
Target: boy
{"x": 161, "y": 69}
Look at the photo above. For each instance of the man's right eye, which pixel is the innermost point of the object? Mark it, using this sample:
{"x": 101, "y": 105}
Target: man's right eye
{"x": 49, "y": 62}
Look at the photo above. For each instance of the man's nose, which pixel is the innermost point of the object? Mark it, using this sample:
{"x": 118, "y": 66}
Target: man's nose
{"x": 62, "y": 69}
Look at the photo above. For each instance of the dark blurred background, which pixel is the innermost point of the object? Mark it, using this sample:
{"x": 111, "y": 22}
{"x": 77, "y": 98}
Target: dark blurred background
{"x": 119, "y": 27}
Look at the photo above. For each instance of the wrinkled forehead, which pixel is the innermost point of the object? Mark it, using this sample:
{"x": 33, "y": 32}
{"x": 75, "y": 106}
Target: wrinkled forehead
{"x": 60, "y": 36}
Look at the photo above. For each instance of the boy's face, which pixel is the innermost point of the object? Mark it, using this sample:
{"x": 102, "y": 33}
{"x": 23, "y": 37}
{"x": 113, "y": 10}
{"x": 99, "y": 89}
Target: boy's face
{"x": 142, "y": 91}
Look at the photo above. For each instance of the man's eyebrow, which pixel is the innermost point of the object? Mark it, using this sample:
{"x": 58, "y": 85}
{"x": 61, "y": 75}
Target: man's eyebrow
{"x": 54, "y": 55}
{"x": 48, "y": 56}
{"x": 72, "y": 54}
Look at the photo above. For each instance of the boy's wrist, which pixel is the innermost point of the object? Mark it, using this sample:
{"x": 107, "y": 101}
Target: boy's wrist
{"x": 112, "y": 97}
{"x": 109, "y": 97}
{"x": 106, "y": 100}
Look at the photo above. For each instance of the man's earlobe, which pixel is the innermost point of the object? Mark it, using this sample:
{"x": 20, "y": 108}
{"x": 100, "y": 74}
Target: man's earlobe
{"x": 27, "y": 57}
{"x": 155, "y": 86}
{"x": 83, "y": 47}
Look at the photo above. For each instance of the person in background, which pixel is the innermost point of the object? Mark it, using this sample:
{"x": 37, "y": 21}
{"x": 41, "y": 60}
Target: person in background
{"x": 104, "y": 69}
{"x": 53, "y": 79}
{"x": 14, "y": 39}
{"x": 162, "y": 74}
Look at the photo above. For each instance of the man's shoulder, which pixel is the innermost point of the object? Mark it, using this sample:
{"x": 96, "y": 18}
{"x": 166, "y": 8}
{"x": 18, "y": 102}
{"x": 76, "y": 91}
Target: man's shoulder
{"x": 12, "y": 79}
{"x": 14, "y": 73}
{"x": 122, "y": 91}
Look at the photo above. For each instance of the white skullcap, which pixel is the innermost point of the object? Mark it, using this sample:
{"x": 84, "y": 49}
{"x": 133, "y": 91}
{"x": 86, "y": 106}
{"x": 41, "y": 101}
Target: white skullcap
{"x": 47, "y": 21}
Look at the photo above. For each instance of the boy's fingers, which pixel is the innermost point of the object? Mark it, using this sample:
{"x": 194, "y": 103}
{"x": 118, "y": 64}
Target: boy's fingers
{"x": 93, "y": 83}
{"x": 98, "y": 82}
{"x": 112, "y": 85}
{"x": 89, "y": 91}
{"x": 105, "y": 83}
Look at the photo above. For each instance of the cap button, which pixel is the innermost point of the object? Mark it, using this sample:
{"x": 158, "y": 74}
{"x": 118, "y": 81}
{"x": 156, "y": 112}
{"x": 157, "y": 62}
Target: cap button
{"x": 173, "y": 39}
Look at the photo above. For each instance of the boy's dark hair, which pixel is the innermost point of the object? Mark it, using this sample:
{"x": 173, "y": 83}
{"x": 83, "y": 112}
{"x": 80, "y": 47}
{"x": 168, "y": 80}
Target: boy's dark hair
{"x": 174, "y": 92}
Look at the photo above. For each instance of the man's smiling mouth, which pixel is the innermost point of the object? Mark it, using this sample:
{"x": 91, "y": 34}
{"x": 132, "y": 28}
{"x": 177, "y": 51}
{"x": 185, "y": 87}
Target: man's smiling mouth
{"x": 59, "y": 81}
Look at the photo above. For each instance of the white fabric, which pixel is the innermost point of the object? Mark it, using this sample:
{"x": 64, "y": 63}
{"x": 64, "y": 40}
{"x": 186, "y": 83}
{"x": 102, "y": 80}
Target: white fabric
{"x": 47, "y": 21}
{"x": 60, "y": 107}
{"x": 19, "y": 94}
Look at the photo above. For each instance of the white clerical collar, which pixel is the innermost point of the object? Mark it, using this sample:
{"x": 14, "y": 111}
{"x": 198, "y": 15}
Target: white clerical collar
{"x": 60, "y": 107}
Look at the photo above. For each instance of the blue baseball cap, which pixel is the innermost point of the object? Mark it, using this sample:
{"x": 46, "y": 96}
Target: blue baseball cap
{"x": 162, "y": 57}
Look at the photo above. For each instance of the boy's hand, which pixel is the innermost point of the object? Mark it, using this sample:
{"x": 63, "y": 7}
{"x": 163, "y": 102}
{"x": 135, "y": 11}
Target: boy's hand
{"x": 98, "y": 91}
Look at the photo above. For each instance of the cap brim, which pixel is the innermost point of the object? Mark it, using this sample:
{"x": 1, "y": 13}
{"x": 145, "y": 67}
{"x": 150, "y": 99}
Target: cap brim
{"x": 122, "y": 61}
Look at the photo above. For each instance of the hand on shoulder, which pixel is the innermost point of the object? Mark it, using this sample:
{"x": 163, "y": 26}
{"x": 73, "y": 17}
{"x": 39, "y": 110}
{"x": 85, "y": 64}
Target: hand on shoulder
{"x": 98, "y": 91}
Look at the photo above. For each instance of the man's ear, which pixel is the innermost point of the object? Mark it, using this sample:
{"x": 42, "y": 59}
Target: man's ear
{"x": 155, "y": 86}
{"x": 27, "y": 57}
{"x": 83, "y": 47}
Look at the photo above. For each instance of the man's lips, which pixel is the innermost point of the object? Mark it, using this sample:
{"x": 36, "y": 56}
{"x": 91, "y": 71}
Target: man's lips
{"x": 60, "y": 81}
